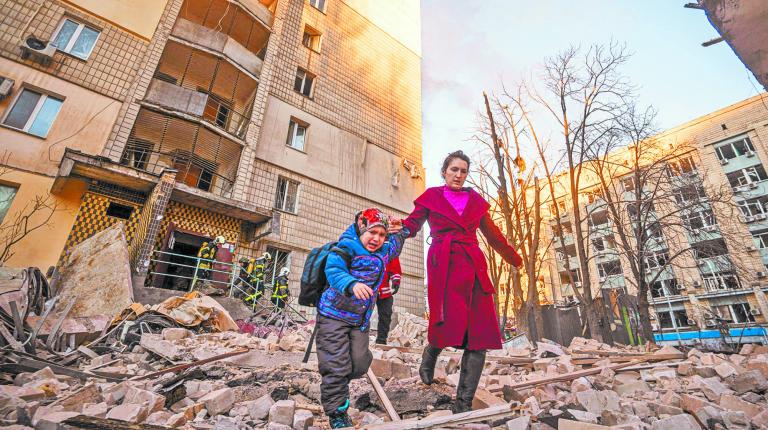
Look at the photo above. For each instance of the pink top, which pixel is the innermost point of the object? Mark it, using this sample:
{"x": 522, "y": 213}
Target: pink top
{"x": 457, "y": 199}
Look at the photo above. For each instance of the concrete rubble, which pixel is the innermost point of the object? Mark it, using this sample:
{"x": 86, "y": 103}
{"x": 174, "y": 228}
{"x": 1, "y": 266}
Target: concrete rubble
{"x": 186, "y": 363}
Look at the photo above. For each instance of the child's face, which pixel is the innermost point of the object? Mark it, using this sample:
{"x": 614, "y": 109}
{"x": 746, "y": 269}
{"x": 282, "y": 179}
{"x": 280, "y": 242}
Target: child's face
{"x": 374, "y": 238}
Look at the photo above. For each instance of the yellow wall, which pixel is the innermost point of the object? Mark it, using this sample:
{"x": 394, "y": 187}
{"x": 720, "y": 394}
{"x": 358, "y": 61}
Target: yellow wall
{"x": 137, "y": 16}
{"x": 401, "y": 19}
{"x": 42, "y": 247}
{"x": 84, "y": 121}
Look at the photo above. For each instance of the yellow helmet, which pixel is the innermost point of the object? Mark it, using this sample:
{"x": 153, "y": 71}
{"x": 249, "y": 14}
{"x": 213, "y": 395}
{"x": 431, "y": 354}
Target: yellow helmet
{"x": 267, "y": 256}
{"x": 220, "y": 240}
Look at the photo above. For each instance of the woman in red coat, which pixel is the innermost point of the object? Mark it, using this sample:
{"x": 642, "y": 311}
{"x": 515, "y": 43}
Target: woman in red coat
{"x": 460, "y": 293}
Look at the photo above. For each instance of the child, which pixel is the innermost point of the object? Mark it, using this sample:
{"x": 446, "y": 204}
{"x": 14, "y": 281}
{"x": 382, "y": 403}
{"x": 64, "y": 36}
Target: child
{"x": 345, "y": 308}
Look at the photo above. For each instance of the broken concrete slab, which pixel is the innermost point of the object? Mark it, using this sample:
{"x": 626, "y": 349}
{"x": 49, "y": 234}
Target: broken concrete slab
{"x": 676, "y": 422}
{"x": 282, "y": 412}
{"x": 219, "y": 401}
{"x": 83, "y": 271}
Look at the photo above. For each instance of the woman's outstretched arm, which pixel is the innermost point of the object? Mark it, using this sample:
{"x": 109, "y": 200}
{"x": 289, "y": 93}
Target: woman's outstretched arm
{"x": 498, "y": 242}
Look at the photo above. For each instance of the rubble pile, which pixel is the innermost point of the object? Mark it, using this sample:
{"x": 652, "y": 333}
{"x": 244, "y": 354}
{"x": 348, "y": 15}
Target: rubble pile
{"x": 410, "y": 330}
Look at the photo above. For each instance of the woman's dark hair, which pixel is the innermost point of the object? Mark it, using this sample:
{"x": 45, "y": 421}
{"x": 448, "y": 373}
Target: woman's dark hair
{"x": 453, "y": 155}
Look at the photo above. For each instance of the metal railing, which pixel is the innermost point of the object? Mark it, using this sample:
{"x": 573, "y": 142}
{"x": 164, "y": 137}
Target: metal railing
{"x": 223, "y": 116}
{"x": 192, "y": 170}
{"x": 187, "y": 270}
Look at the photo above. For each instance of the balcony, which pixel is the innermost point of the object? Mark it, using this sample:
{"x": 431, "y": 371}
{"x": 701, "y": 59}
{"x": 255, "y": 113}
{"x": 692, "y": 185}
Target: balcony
{"x": 237, "y": 30}
{"x": 567, "y": 239}
{"x": 204, "y": 159}
{"x": 710, "y": 232}
{"x": 573, "y": 261}
{"x": 202, "y": 86}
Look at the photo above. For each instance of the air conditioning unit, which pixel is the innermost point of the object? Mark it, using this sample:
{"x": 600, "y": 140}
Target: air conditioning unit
{"x": 577, "y": 284}
{"x": 751, "y": 248}
{"x": 654, "y": 327}
{"x": 6, "y": 86}
{"x": 724, "y": 161}
{"x": 759, "y": 217}
{"x": 754, "y": 311}
{"x": 602, "y": 279}
{"x": 710, "y": 323}
{"x": 701, "y": 262}
{"x": 709, "y": 228}
{"x": 691, "y": 321}
{"x": 760, "y": 274}
{"x": 696, "y": 284}
{"x": 696, "y": 231}
{"x": 741, "y": 188}
{"x": 747, "y": 218}
{"x": 681, "y": 287}
{"x": 37, "y": 50}
{"x": 750, "y": 153}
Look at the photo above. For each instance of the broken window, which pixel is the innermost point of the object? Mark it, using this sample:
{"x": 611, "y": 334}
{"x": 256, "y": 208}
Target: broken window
{"x": 656, "y": 259}
{"x": 676, "y": 318}
{"x": 287, "y": 195}
{"x": 747, "y": 176}
{"x": 304, "y": 82}
{"x": 610, "y": 268}
{"x": 311, "y": 38}
{"x": 116, "y": 210}
{"x": 735, "y": 149}
{"x": 664, "y": 288}
{"x": 681, "y": 166}
{"x": 754, "y": 208}
{"x": 280, "y": 258}
{"x": 7, "y": 193}
{"x": 721, "y": 281}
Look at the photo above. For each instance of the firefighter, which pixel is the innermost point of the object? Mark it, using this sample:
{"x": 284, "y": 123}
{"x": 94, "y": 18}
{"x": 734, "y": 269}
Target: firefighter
{"x": 280, "y": 292}
{"x": 207, "y": 255}
{"x": 255, "y": 270}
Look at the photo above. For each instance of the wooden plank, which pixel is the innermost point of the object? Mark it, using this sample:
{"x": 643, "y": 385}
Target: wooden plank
{"x": 567, "y": 376}
{"x": 492, "y": 413}
{"x": 87, "y": 351}
{"x": 624, "y": 359}
{"x": 185, "y": 366}
{"x": 382, "y": 396}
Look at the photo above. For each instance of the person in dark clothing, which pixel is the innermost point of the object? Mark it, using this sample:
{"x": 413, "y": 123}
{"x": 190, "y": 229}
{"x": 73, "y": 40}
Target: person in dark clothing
{"x": 256, "y": 270}
{"x": 207, "y": 255}
{"x": 389, "y": 287}
{"x": 346, "y": 306}
{"x": 280, "y": 291}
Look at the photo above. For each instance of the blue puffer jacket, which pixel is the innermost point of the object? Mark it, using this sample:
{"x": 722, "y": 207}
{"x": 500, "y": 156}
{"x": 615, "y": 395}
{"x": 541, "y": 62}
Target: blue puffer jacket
{"x": 338, "y": 302}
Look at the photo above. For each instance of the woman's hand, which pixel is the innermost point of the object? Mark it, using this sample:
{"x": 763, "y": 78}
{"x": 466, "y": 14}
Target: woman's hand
{"x": 362, "y": 291}
{"x": 395, "y": 225}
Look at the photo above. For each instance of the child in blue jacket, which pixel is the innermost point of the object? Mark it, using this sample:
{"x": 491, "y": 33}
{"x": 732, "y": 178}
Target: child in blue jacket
{"x": 345, "y": 308}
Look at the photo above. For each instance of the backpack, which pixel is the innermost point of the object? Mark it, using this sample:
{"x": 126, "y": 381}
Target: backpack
{"x": 313, "y": 280}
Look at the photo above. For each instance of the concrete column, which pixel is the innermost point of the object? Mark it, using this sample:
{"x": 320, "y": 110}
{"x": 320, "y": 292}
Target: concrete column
{"x": 149, "y": 225}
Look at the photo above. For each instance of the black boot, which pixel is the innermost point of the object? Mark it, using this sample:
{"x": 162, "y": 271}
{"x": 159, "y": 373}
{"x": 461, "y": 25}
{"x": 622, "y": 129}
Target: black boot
{"x": 428, "y": 361}
{"x": 472, "y": 363}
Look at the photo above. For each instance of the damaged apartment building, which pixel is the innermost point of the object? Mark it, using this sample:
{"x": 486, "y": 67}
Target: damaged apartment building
{"x": 267, "y": 122}
{"x": 717, "y": 285}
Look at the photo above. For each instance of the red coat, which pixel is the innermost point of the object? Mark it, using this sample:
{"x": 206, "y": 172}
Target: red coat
{"x": 459, "y": 290}
{"x": 393, "y": 272}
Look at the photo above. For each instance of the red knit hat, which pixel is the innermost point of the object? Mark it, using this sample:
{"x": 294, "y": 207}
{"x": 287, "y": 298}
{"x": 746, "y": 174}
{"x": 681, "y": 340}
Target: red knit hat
{"x": 369, "y": 219}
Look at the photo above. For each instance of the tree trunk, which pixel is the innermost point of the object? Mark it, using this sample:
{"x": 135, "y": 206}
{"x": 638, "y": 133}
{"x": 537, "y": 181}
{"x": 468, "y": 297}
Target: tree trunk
{"x": 645, "y": 316}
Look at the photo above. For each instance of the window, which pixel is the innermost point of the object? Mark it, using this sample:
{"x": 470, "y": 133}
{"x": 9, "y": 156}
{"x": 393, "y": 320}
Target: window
{"x": 598, "y": 244}
{"x": 682, "y": 166}
{"x": 6, "y": 198}
{"x": 297, "y": 134}
{"x": 735, "y": 149}
{"x": 690, "y": 194}
{"x": 318, "y": 4}
{"x": 628, "y": 183}
{"x": 747, "y": 176}
{"x": 75, "y": 38}
{"x": 656, "y": 260}
{"x": 721, "y": 281}
{"x": 311, "y": 38}
{"x": 594, "y": 196}
{"x": 33, "y": 112}
{"x": 760, "y": 238}
{"x": 119, "y": 211}
{"x": 193, "y": 170}
{"x": 653, "y": 231}
{"x": 666, "y": 319}
{"x": 610, "y": 268}
{"x": 667, "y": 287}
{"x": 280, "y": 258}
{"x": 287, "y": 195}
{"x": 699, "y": 220}
{"x": 738, "y": 313}
{"x": 136, "y": 154}
{"x": 599, "y": 219}
{"x": 754, "y": 207}
{"x": 304, "y": 82}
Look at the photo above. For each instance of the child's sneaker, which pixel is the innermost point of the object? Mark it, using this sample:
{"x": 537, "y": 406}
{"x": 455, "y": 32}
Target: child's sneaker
{"x": 340, "y": 420}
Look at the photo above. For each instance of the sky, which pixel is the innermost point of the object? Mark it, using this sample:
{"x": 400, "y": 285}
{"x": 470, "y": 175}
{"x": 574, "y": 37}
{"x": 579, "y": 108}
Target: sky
{"x": 472, "y": 46}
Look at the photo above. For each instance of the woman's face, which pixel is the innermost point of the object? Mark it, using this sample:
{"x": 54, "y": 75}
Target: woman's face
{"x": 456, "y": 173}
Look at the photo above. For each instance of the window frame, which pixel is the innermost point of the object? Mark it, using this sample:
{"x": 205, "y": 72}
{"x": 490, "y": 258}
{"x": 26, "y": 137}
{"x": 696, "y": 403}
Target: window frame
{"x": 308, "y": 78}
{"x": 749, "y": 149}
{"x": 282, "y": 206}
{"x": 319, "y": 4}
{"x": 10, "y": 195}
{"x": 272, "y": 271}
{"x": 73, "y": 39}
{"x": 293, "y": 126}
{"x": 44, "y": 95}
{"x": 314, "y": 41}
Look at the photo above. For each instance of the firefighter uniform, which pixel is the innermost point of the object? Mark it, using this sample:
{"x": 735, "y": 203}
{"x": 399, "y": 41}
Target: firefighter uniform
{"x": 207, "y": 254}
{"x": 280, "y": 292}
{"x": 255, "y": 270}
